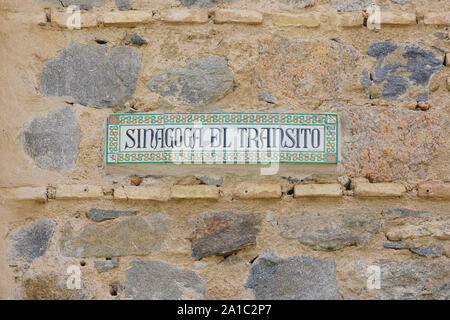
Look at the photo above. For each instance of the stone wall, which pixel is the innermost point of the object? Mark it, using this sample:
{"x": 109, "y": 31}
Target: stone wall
{"x": 224, "y": 236}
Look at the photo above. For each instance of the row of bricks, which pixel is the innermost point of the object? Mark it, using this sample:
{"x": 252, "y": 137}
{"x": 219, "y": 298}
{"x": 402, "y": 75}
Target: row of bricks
{"x": 245, "y": 190}
{"x": 198, "y": 15}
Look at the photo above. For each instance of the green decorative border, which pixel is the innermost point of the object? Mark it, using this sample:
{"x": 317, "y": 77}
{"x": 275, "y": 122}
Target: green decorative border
{"x": 329, "y": 121}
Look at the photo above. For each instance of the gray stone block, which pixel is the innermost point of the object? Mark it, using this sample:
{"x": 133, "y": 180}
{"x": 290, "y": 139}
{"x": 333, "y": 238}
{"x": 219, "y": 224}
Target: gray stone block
{"x": 294, "y": 278}
{"x": 330, "y": 230}
{"x": 222, "y": 233}
{"x": 205, "y": 80}
{"x": 352, "y": 5}
{"x": 155, "y": 280}
{"x": 132, "y": 236}
{"x": 31, "y": 241}
{"x": 403, "y": 70}
{"x": 99, "y": 215}
{"x": 92, "y": 75}
{"x": 52, "y": 141}
{"x": 106, "y": 265}
{"x": 124, "y": 4}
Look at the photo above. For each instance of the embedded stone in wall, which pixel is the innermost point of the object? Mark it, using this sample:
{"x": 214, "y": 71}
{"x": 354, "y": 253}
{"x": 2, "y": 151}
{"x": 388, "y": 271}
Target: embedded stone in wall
{"x": 296, "y": 278}
{"x": 52, "y": 140}
{"x": 385, "y": 145}
{"x": 201, "y": 3}
{"x": 31, "y": 241}
{"x": 83, "y": 4}
{"x": 51, "y": 287}
{"x": 106, "y": 265}
{"x": 300, "y": 3}
{"x": 428, "y": 252}
{"x": 352, "y": 5}
{"x": 124, "y": 4}
{"x": 415, "y": 279}
{"x": 437, "y": 229}
{"x": 297, "y": 68}
{"x": 221, "y": 233}
{"x": 330, "y": 230}
{"x": 395, "y": 213}
{"x": 133, "y": 236}
{"x": 99, "y": 215}
{"x": 92, "y": 75}
{"x": 403, "y": 70}
{"x": 205, "y": 80}
{"x": 155, "y": 280}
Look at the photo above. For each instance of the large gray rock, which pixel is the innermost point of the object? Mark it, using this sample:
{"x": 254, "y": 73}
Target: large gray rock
{"x": 296, "y": 278}
{"x": 132, "y": 236}
{"x": 205, "y": 80}
{"x": 378, "y": 143}
{"x": 201, "y": 3}
{"x": 155, "y": 280}
{"x": 330, "y": 230}
{"x": 403, "y": 70}
{"x": 92, "y": 75}
{"x": 52, "y": 141}
{"x": 99, "y": 215}
{"x": 31, "y": 241}
{"x": 221, "y": 233}
{"x": 415, "y": 279}
{"x": 352, "y": 5}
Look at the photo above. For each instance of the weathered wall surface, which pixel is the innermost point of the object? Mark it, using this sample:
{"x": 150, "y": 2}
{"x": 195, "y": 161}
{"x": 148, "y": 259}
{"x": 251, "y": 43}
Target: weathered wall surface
{"x": 223, "y": 236}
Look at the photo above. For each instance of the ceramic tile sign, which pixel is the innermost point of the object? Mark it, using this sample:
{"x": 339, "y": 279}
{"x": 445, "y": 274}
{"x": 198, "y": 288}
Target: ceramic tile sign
{"x": 222, "y": 138}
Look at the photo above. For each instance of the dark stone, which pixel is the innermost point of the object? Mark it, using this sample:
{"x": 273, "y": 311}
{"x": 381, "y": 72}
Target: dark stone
{"x": 31, "y": 241}
{"x": 395, "y": 213}
{"x": 132, "y": 236}
{"x": 99, "y": 215}
{"x": 135, "y": 39}
{"x": 101, "y": 41}
{"x": 330, "y": 230}
{"x": 201, "y": 3}
{"x": 366, "y": 82}
{"x": 92, "y": 75}
{"x": 352, "y": 5}
{"x": 296, "y": 278}
{"x": 52, "y": 141}
{"x": 264, "y": 96}
{"x": 106, "y": 265}
{"x": 401, "y": 69}
{"x": 82, "y": 4}
{"x": 155, "y": 280}
{"x": 396, "y": 245}
{"x": 222, "y": 233}
{"x": 124, "y": 4}
{"x": 205, "y": 80}
{"x": 428, "y": 252}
